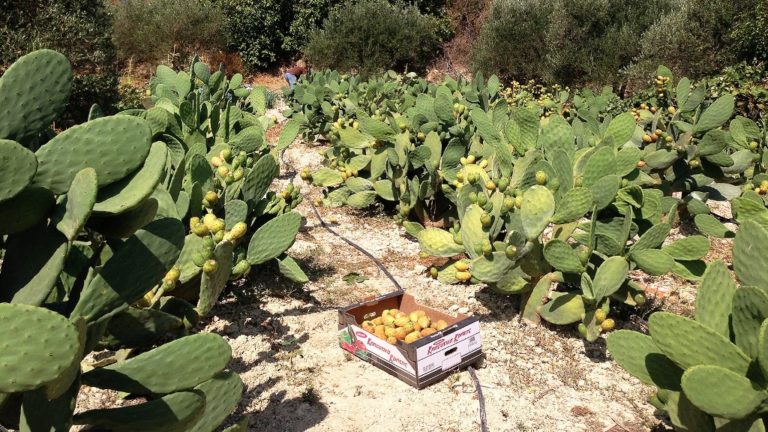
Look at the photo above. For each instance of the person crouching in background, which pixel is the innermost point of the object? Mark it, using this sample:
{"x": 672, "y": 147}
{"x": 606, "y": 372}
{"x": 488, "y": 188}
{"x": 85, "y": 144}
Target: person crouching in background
{"x": 292, "y": 74}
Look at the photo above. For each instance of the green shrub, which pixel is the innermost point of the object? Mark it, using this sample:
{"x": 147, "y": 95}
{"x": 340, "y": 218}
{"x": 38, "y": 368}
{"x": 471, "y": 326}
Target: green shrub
{"x": 149, "y": 31}
{"x": 256, "y": 30}
{"x": 750, "y": 33}
{"x": 374, "y": 35}
{"x": 79, "y": 29}
{"x": 563, "y": 41}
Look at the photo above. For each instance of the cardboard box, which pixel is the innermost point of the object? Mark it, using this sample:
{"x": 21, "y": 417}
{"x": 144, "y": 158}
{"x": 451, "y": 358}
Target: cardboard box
{"x": 421, "y": 363}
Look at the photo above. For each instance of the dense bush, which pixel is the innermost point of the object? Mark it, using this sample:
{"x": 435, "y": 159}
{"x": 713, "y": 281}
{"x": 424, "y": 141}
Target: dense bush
{"x": 256, "y": 29}
{"x": 149, "y": 31}
{"x": 81, "y": 30}
{"x": 374, "y": 35}
{"x": 563, "y": 41}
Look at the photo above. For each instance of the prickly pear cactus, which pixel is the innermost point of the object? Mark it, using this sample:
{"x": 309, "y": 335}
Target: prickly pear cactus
{"x": 702, "y": 367}
{"x": 86, "y": 237}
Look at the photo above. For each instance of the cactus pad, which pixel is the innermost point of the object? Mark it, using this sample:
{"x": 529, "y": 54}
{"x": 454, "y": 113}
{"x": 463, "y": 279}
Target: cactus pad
{"x": 689, "y": 343}
{"x": 191, "y": 359}
{"x": 211, "y": 285}
{"x": 750, "y": 254}
{"x": 25, "y": 210}
{"x": 750, "y": 309}
{"x": 721, "y": 392}
{"x": 133, "y": 270}
{"x": 563, "y": 309}
{"x": 131, "y": 191}
{"x": 653, "y": 261}
{"x": 536, "y": 210}
{"x": 715, "y": 297}
{"x": 36, "y": 346}
{"x": 259, "y": 178}
{"x": 610, "y": 276}
{"x": 235, "y": 211}
{"x": 273, "y": 238}
{"x": 71, "y": 216}
{"x": 639, "y": 355}
{"x": 290, "y": 268}
{"x": 34, "y": 91}
{"x": 20, "y": 166}
{"x": 222, "y": 394}
{"x": 31, "y": 266}
{"x": 561, "y": 256}
{"x": 171, "y": 413}
{"x": 688, "y": 248}
{"x": 575, "y": 204}
{"x": 114, "y": 146}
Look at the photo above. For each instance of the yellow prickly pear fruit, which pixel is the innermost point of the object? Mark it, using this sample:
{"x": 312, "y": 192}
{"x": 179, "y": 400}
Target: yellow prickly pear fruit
{"x": 380, "y": 334}
{"x": 483, "y": 163}
{"x": 368, "y": 326}
{"x": 385, "y": 313}
{"x": 433, "y": 272}
{"x": 392, "y": 340}
{"x": 209, "y": 219}
{"x": 400, "y": 333}
{"x": 377, "y": 321}
{"x": 200, "y": 230}
{"x": 463, "y": 276}
{"x": 402, "y": 321}
{"x": 600, "y": 316}
{"x": 412, "y": 337}
{"x": 440, "y": 325}
{"x": 424, "y": 322}
{"x": 461, "y": 266}
{"x": 193, "y": 221}
{"x": 608, "y": 325}
{"x": 211, "y": 197}
{"x": 414, "y": 317}
{"x": 216, "y": 161}
{"x": 672, "y": 110}
{"x": 210, "y": 266}
{"x": 541, "y": 178}
{"x": 416, "y": 327}
{"x": 408, "y": 326}
{"x": 400, "y": 314}
{"x": 238, "y": 230}
{"x": 388, "y": 320}
{"x": 238, "y": 174}
{"x": 389, "y": 331}
{"x": 427, "y": 331}
{"x": 226, "y": 154}
{"x": 172, "y": 276}
{"x": 216, "y": 226}
{"x": 470, "y": 159}
{"x": 518, "y": 201}
{"x": 421, "y": 313}
{"x": 380, "y": 328}
{"x": 223, "y": 171}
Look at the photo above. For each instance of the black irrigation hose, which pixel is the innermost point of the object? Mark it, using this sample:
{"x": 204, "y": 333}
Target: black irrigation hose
{"x": 380, "y": 265}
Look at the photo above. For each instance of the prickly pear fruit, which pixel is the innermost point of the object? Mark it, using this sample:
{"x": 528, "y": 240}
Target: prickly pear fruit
{"x": 485, "y": 219}
{"x": 200, "y": 230}
{"x": 463, "y": 276}
{"x": 600, "y": 316}
{"x": 440, "y": 325}
{"x": 424, "y": 322}
{"x": 402, "y": 321}
{"x": 608, "y": 325}
{"x": 433, "y": 272}
{"x": 461, "y": 265}
{"x": 210, "y": 266}
{"x": 238, "y": 230}
{"x": 211, "y": 196}
{"x": 216, "y": 161}
{"x": 392, "y": 340}
{"x": 427, "y": 331}
{"x": 541, "y": 178}
{"x": 412, "y": 337}
{"x": 226, "y": 154}
{"x": 487, "y": 247}
{"x": 172, "y": 276}
{"x": 223, "y": 171}
{"x": 583, "y": 330}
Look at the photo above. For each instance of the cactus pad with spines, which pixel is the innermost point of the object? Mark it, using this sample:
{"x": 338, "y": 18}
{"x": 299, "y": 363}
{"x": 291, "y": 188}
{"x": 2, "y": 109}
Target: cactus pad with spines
{"x": 171, "y": 413}
{"x": 537, "y": 208}
{"x": 750, "y": 309}
{"x": 715, "y": 297}
{"x": 561, "y": 256}
{"x": 222, "y": 394}
{"x": 36, "y": 346}
{"x": 71, "y": 216}
{"x": 113, "y": 146}
{"x": 721, "y": 392}
{"x": 32, "y": 263}
{"x": 639, "y": 355}
{"x": 688, "y": 248}
{"x": 19, "y": 167}
{"x": 750, "y": 255}
{"x": 191, "y": 359}
{"x": 133, "y": 270}
{"x": 689, "y": 343}
{"x": 212, "y": 285}
{"x": 25, "y": 210}
{"x": 576, "y": 203}
{"x": 563, "y": 309}
{"x": 34, "y": 91}
{"x": 273, "y": 238}
{"x": 130, "y": 191}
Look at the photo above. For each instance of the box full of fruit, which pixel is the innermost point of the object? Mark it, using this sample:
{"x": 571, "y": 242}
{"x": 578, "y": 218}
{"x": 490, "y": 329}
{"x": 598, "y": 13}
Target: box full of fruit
{"x": 415, "y": 343}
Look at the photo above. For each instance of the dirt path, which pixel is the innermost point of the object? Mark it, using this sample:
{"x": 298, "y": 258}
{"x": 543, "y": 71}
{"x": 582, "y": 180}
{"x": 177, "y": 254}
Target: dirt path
{"x": 285, "y": 346}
